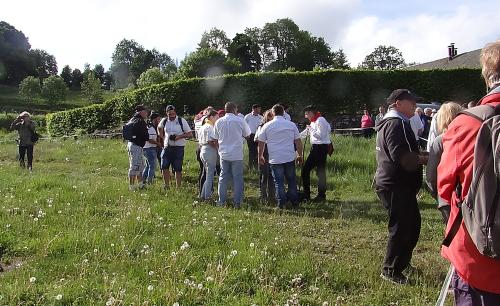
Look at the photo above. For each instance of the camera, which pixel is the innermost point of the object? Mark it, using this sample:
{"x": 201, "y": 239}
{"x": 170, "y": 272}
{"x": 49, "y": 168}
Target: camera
{"x": 172, "y": 137}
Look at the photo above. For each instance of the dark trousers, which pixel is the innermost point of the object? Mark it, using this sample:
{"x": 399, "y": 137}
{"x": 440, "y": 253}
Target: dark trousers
{"x": 266, "y": 183}
{"x": 465, "y": 295}
{"x": 316, "y": 159}
{"x": 404, "y": 228}
{"x": 201, "y": 172}
{"x": 23, "y": 151}
{"x": 252, "y": 152}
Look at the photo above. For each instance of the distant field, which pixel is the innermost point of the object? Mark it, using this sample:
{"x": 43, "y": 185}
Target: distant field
{"x": 11, "y": 102}
{"x": 71, "y": 233}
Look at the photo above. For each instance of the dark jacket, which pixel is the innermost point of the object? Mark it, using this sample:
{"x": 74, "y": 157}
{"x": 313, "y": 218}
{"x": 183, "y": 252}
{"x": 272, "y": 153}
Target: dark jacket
{"x": 140, "y": 132}
{"x": 397, "y": 156}
{"x": 25, "y": 130}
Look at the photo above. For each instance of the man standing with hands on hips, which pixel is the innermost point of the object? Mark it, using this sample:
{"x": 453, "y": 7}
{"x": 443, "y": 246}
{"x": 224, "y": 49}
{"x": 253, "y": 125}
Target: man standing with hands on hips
{"x": 397, "y": 180}
{"x": 174, "y": 130}
{"x": 253, "y": 120}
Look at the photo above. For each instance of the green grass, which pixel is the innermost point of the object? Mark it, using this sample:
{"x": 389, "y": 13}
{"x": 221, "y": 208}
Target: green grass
{"x": 75, "y": 227}
{"x": 12, "y": 102}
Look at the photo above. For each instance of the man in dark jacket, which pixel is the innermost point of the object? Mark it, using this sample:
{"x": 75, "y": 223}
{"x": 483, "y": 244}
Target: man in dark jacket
{"x": 398, "y": 180}
{"x": 134, "y": 147}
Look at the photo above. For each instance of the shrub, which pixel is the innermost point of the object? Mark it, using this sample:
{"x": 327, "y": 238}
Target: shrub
{"x": 30, "y": 88}
{"x": 91, "y": 88}
{"x": 152, "y": 76}
{"x": 333, "y": 91}
{"x": 54, "y": 89}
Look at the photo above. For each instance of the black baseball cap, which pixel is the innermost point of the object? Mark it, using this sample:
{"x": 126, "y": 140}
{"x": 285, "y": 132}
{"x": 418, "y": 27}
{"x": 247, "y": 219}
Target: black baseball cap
{"x": 140, "y": 108}
{"x": 170, "y": 107}
{"x": 154, "y": 115}
{"x": 402, "y": 94}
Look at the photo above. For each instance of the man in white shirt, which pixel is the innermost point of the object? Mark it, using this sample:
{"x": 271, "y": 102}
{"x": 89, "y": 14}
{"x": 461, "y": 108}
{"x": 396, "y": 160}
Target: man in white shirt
{"x": 253, "y": 120}
{"x": 319, "y": 133}
{"x": 174, "y": 130}
{"x": 230, "y": 132}
{"x": 282, "y": 139}
{"x": 417, "y": 126}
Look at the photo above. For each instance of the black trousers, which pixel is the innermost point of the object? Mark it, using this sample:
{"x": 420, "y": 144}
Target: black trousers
{"x": 316, "y": 159}
{"x": 252, "y": 152}
{"x": 404, "y": 228}
{"x": 23, "y": 151}
{"x": 201, "y": 172}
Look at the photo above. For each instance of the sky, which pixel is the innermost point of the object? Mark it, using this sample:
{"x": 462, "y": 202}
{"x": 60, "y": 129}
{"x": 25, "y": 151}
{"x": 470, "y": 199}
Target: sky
{"x": 79, "y": 32}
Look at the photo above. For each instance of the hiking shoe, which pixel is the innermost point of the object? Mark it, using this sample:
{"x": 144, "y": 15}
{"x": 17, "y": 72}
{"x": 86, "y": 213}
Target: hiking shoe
{"x": 398, "y": 279}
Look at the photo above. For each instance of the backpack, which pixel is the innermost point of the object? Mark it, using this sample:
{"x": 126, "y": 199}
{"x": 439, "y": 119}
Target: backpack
{"x": 128, "y": 130}
{"x": 179, "y": 119}
{"x": 480, "y": 211}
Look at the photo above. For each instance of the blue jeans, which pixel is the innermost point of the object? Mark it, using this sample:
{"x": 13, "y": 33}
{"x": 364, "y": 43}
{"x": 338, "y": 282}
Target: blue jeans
{"x": 208, "y": 156}
{"x": 231, "y": 171}
{"x": 149, "y": 171}
{"x": 280, "y": 172}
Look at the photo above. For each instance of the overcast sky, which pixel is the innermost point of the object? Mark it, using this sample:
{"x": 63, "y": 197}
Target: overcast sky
{"x": 78, "y": 32}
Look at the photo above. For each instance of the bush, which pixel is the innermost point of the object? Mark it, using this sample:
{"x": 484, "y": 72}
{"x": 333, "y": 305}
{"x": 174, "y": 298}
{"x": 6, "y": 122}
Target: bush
{"x": 91, "y": 88}
{"x": 30, "y": 88}
{"x": 7, "y": 118}
{"x": 152, "y": 76}
{"x": 54, "y": 89}
{"x": 333, "y": 91}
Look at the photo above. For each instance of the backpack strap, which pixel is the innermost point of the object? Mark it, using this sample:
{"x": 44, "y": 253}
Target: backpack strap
{"x": 180, "y": 123}
{"x": 481, "y": 112}
{"x": 457, "y": 222}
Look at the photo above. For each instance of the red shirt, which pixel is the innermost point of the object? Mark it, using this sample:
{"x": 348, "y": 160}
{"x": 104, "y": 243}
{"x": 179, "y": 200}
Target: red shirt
{"x": 480, "y": 271}
{"x": 366, "y": 121}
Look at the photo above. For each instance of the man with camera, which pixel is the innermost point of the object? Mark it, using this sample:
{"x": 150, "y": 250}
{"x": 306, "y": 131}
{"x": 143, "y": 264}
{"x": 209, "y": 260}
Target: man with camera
{"x": 27, "y": 138}
{"x": 174, "y": 130}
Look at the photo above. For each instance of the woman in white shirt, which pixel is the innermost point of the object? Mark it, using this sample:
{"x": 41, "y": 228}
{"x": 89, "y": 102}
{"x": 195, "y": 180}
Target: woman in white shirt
{"x": 208, "y": 152}
{"x": 266, "y": 181}
{"x": 149, "y": 149}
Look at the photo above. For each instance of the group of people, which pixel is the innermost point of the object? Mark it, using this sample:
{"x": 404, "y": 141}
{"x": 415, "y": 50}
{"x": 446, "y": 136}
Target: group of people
{"x": 274, "y": 143}
{"x": 452, "y": 167}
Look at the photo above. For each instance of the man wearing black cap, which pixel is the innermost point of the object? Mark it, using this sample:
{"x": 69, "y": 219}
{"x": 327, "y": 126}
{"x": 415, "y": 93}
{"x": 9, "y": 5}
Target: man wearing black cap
{"x": 174, "y": 130}
{"x": 134, "y": 147}
{"x": 253, "y": 119}
{"x": 398, "y": 180}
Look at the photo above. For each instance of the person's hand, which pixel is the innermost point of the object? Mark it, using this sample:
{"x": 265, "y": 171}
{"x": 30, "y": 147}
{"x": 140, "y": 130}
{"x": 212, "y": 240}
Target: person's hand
{"x": 300, "y": 160}
{"x": 262, "y": 160}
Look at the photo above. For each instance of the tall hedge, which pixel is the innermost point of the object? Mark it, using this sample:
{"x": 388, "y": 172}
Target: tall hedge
{"x": 334, "y": 91}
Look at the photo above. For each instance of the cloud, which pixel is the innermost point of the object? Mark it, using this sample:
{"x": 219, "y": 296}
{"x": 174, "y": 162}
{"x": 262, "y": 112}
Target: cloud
{"x": 421, "y": 38}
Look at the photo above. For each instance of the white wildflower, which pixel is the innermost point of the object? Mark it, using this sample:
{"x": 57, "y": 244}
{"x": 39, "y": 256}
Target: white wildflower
{"x": 32, "y": 279}
{"x": 59, "y": 297}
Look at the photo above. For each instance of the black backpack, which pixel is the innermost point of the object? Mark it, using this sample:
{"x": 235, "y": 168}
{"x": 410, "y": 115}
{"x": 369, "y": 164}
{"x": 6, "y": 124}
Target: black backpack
{"x": 128, "y": 130}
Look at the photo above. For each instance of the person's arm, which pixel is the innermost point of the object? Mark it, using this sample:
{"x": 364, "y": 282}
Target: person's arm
{"x": 431, "y": 169}
{"x": 399, "y": 148}
{"x": 246, "y": 129}
{"x": 15, "y": 124}
{"x": 298, "y": 146}
{"x": 161, "y": 130}
{"x": 187, "y": 134}
{"x": 320, "y": 130}
{"x": 305, "y": 132}
{"x": 260, "y": 151}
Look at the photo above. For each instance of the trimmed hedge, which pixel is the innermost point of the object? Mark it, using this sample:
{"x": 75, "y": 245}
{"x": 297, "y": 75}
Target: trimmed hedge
{"x": 6, "y": 120}
{"x": 333, "y": 91}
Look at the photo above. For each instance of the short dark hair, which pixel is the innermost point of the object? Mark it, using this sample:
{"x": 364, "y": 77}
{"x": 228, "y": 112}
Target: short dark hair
{"x": 278, "y": 110}
{"x": 310, "y": 108}
{"x": 154, "y": 115}
{"x": 285, "y": 106}
{"x": 255, "y": 106}
{"x": 230, "y": 107}
{"x": 139, "y": 108}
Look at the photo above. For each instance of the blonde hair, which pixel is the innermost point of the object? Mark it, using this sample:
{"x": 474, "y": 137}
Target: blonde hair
{"x": 268, "y": 116}
{"x": 445, "y": 115}
{"x": 490, "y": 63}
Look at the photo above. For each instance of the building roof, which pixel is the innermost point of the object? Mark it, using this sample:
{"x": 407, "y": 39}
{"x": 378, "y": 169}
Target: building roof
{"x": 464, "y": 60}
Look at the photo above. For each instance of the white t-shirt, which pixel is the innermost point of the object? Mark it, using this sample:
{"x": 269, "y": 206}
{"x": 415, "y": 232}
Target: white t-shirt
{"x": 152, "y": 136}
{"x": 432, "y": 133}
{"x": 319, "y": 131}
{"x": 206, "y": 133}
{"x": 416, "y": 125}
{"x": 253, "y": 121}
{"x": 229, "y": 131}
{"x": 172, "y": 127}
{"x": 287, "y": 116}
{"x": 279, "y": 134}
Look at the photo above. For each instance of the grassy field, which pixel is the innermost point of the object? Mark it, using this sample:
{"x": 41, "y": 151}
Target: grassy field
{"x": 72, "y": 234}
{"x": 11, "y": 102}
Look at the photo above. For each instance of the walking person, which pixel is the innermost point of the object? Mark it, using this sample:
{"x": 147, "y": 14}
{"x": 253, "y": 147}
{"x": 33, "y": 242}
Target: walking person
{"x": 150, "y": 149}
{"x": 266, "y": 180}
{"x": 476, "y": 280}
{"x": 27, "y": 138}
{"x": 397, "y": 180}
{"x": 319, "y": 133}
{"x": 208, "y": 152}
{"x": 136, "y": 132}
{"x": 230, "y": 132}
{"x": 175, "y": 130}
{"x": 253, "y": 120}
{"x": 282, "y": 139}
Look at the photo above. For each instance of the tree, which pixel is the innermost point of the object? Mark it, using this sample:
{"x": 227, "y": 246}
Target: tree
{"x": 165, "y": 63}
{"x": 15, "y": 61}
{"x": 30, "y": 88}
{"x": 308, "y": 53}
{"x": 76, "y": 78}
{"x": 279, "y": 39}
{"x": 54, "y": 89}
{"x": 66, "y": 75}
{"x": 99, "y": 72}
{"x": 91, "y": 88}
{"x": 205, "y": 63}
{"x": 214, "y": 39}
{"x": 45, "y": 64}
{"x": 107, "y": 80}
{"x": 384, "y": 58}
{"x": 151, "y": 76}
{"x": 246, "y": 50}
{"x": 339, "y": 60}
